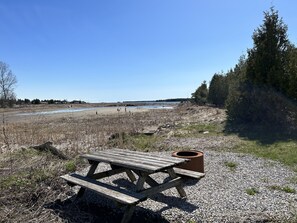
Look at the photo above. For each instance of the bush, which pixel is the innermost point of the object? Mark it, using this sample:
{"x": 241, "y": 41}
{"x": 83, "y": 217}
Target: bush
{"x": 251, "y": 104}
{"x": 200, "y": 95}
{"x": 252, "y": 191}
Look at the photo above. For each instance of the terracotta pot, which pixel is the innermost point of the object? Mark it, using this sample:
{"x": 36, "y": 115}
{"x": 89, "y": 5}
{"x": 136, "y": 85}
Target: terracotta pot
{"x": 196, "y": 162}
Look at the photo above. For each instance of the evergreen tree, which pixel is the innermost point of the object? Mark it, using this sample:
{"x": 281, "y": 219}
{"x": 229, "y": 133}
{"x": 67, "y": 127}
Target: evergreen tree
{"x": 200, "y": 95}
{"x": 266, "y": 60}
{"x": 260, "y": 94}
{"x": 291, "y": 69}
{"x": 218, "y": 90}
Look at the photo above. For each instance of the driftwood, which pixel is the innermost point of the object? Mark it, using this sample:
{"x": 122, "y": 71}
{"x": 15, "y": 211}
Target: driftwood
{"x": 47, "y": 147}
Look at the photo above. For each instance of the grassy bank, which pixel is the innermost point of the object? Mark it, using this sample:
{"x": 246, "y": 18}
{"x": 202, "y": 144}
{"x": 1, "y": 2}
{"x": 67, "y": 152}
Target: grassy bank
{"x": 284, "y": 152}
{"x": 29, "y": 180}
{"x": 277, "y": 146}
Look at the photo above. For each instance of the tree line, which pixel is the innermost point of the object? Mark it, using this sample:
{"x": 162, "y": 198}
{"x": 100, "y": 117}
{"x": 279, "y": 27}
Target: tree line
{"x": 51, "y": 101}
{"x": 262, "y": 86}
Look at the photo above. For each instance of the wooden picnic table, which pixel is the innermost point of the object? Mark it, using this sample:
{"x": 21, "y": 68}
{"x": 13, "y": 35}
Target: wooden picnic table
{"x": 132, "y": 163}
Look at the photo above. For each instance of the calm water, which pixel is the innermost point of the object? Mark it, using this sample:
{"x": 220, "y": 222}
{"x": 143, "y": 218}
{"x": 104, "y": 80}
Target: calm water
{"x": 162, "y": 105}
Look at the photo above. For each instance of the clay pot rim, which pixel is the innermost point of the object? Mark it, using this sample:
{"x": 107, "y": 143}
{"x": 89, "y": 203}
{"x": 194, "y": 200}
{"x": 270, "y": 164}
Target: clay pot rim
{"x": 197, "y": 152}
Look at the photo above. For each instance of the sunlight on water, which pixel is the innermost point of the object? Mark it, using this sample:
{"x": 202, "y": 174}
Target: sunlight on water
{"x": 72, "y": 110}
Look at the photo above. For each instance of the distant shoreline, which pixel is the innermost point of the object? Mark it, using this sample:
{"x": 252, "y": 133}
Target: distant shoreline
{"x": 44, "y": 106}
{"x": 26, "y": 112}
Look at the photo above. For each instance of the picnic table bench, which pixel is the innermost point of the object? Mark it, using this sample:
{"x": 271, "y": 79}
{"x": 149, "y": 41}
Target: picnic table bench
{"x": 132, "y": 163}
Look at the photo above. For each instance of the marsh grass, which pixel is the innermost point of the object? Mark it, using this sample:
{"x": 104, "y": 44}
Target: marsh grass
{"x": 33, "y": 182}
{"x": 145, "y": 142}
{"x": 80, "y": 134}
{"x": 34, "y": 177}
{"x": 30, "y": 167}
{"x": 140, "y": 142}
{"x": 199, "y": 129}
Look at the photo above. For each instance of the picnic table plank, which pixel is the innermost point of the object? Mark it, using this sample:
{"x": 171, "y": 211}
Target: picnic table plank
{"x": 139, "y": 161}
{"x": 127, "y": 164}
{"x": 149, "y": 155}
{"x": 188, "y": 173}
{"x": 129, "y": 158}
{"x": 111, "y": 192}
{"x": 133, "y": 156}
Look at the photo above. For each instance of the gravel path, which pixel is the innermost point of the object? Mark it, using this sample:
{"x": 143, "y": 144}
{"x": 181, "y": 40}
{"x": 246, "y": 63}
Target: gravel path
{"x": 221, "y": 195}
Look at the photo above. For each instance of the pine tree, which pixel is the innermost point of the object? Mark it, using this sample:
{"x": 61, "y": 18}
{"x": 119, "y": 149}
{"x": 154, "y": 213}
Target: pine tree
{"x": 200, "y": 95}
{"x": 261, "y": 94}
{"x": 218, "y": 90}
{"x": 266, "y": 60}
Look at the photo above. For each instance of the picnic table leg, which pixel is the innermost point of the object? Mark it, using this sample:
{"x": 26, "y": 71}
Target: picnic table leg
{"x": 179, "y": 188}
{"x": 128, "y": 213}
{"x": 128, "y": 172}
{"x": 150, "y": 181}
{"x": 130, "y": 175}
{"x": 91, "y": 171}
{"x": 141, "y": 181}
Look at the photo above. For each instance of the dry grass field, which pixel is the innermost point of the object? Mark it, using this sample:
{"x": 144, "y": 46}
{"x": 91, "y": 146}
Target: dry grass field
{"x": 30, "y": 187}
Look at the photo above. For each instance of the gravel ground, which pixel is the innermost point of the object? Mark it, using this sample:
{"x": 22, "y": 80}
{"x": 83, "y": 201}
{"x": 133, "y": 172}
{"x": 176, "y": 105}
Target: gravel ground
{"x": 208, "y": 142}
{"x": 218, "y": 197}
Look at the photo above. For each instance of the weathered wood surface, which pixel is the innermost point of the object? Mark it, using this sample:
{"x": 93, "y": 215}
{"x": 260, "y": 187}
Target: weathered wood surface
{"x": 135, "y": 160}
{"x": 118, "y": 162}
{"x": 90, "y": 173}
{"x": 131, "y": 157}
{"x": 147, "y": 154}
{"x": 140, "y": 163}
{"x": 188, "y": 173}
{"x": 150, "y": 181}
{"x": 178, "y": 187}
{"x": 109, "y": 191}
{"x": 161, "y": 187}
{"x": 108, "y": 173}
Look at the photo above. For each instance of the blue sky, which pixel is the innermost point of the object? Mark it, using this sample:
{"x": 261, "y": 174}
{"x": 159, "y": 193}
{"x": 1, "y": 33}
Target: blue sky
{"x": 116, "y": 50}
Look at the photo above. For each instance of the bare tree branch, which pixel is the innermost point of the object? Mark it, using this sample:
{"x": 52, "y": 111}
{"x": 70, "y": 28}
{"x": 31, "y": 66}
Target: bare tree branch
{"x": 7, "y": 83}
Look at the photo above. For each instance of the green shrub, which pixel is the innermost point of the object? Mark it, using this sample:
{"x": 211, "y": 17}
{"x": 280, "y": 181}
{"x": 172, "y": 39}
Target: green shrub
{"x": 260, "y": 105}
{"x": 286, "y": 189}
{"x": 231, "y": 165}
{"x": 70, "y": 166}
{"x": 27, "y": 178}
{"x": 251, "y": 191}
